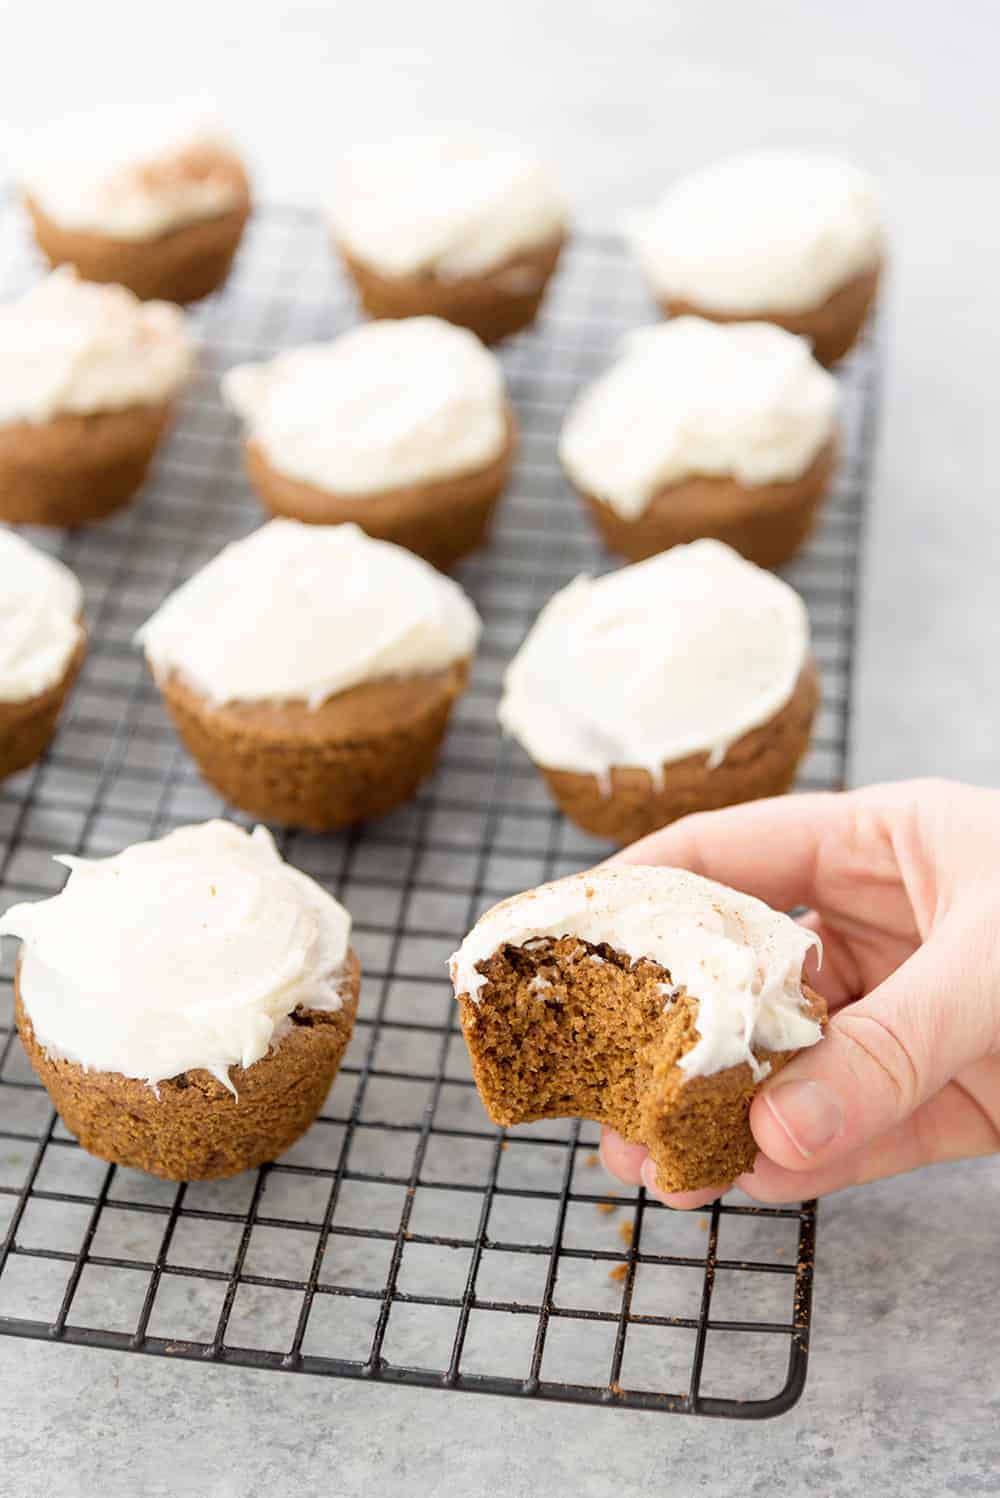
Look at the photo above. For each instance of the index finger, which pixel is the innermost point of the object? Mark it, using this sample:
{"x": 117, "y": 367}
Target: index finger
{"x": 770, "y": 849}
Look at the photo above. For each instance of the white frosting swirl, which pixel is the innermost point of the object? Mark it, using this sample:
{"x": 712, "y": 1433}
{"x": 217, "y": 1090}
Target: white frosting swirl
{"x": 741, "y": 400}
{"x": 133, "y": 180}
{"x": 765, "y": 232}
{"x": 190, "y": 951}
{"x": 305, "y": 611}
{"x": 384, "y": 405}
{"x": 40, "y": 605}
{"x": 739, "y": 958}
{"x": 456, "y": 205}
{"x": 72, "y": 346}
{"x": 682, "y": 654}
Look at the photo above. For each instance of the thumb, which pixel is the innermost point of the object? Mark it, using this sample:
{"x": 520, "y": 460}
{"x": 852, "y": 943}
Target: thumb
{"x": 882, "y": 1056}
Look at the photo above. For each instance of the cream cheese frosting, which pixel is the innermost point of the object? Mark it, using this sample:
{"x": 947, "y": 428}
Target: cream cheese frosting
{"x": 305, "y": 611}
{"x": 134, "y": 179}
{"x": 681, "y": 654}
{"x": 452, "y": 204}
{"x": 741, "y": 400}
{"x": 70, "y": 346}
{"x": 189, "y": 951}
{"x": 764, "y": 232}
{"x": 386, "y": 404}
{"x": 740, "y": 959}
{"x": 40, "y": 606}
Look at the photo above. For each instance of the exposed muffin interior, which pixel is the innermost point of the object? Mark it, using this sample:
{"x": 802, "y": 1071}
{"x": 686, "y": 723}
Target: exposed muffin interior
{"x": 568, "y": 1029}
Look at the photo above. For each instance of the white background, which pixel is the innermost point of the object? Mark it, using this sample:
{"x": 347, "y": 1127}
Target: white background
{"x": 620, "y": 96}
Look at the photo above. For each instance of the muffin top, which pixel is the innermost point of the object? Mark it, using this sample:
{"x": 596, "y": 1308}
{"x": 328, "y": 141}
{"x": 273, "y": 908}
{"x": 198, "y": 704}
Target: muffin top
{"x": 69, "y": 346}
{"x": 766, "y": 232}
{"x": 188, "y": 951}
{"x": 133, "y": 179}
{"x": 455, "y": 205}
{"x": 739, "y": 958}
{"x": 301, "y": 612}
{"x": 384, "y": 405}
{"x": 40, "y": 606}
{"x": 682, "y": 654}
{"x": 739, "y": 400}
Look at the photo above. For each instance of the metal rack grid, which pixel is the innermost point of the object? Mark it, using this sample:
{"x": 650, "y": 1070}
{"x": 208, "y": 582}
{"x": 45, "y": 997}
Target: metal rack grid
{"x": 404, "y": 1238}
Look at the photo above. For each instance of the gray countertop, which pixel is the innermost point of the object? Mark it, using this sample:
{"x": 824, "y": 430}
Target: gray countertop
{"x": 904, "y": 1388}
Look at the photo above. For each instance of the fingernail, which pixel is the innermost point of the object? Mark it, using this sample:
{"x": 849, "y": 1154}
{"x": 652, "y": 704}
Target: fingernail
{"x": 808, "y": 1112}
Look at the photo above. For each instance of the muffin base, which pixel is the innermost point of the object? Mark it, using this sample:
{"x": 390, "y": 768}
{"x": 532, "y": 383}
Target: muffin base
{"x": 833, "y": 326}
{"x": 26, "y": 728}
{"x": 190, "y": 1127}
{"x": 493, "y": 303}
{"x": 766, "y": 523}
{"x": 77, "y": 468}
{"x": 761, "y": 763}
{"x": 181, "y": 265}
{"x": 356, "y": 756}
{"x": 602, "y": 1041}
{"x": 440, "y": 520}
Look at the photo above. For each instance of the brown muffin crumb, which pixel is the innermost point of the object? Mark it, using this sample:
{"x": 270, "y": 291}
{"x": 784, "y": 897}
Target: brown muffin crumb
{"x": 569, "y": 1029}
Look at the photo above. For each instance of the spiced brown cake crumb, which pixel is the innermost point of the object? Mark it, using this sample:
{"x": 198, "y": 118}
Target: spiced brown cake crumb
{"x": 568, "y": 1029}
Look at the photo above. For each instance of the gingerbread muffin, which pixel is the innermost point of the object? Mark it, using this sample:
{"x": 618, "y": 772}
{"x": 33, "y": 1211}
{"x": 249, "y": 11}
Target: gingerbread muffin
{"x": 703, "y": 430}
{"x": 42, "y": 646}
{"x": 160, "y": 209}
{"x": 88, "y": 379}
{"x": 771, "y": 237}
{"x": 648, "y": 999}
{"x": 187, "y": 1002}
{"x": 680, "y": 684}
{"x": 311, "y": 671}
{"x": 402, "y": 427}
{"x": 468, "y": 227}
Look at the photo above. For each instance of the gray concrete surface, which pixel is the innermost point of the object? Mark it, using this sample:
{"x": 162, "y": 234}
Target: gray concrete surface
{"x": 904, "y": 1391}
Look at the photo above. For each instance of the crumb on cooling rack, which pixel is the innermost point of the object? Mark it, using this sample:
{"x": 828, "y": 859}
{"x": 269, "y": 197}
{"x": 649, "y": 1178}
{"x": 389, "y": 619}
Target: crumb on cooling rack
{"x": 625, "y": 1231}
{"x": 618, "y": 1272}
{"x": 607, "y": 1208}
{"x": 592, "y": 1159}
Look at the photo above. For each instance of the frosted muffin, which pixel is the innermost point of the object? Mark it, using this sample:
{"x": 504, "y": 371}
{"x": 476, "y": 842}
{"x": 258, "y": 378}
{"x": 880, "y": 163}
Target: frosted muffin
{"x": 42, "y": 645}
{"x": 773, "y": 237}
{"x": 311, "y": 671}
{"x": 468, "y": 227}
{"x": 702, "y": 430}
{"x": 159, "y": 208}
{"x": 187, "y": 1002}
{"x": 88, "y": 379}
{"x": 680, "y": 684}
{"x": 402, "y": 427}
{"x": 648, "y": 999}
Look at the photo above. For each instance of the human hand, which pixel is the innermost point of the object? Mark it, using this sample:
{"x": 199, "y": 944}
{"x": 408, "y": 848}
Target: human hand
{"x": 903, "y": 886}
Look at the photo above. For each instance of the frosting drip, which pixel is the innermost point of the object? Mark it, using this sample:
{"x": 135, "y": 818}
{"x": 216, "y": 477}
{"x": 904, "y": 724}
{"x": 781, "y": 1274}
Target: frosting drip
{"x": 71, "y": 346}
{"x": 189, "y": 951}
{"x": 681, "y": 654}
{"x": 765, "y": 232}
{"x": 384, "y": 405}
{"x": 301, "y": 612}
{"x": 740, "y": 400}
{"x": 40, "y": 605}
{"x": 456, "y": 204}
{"x": 740, "y": 959}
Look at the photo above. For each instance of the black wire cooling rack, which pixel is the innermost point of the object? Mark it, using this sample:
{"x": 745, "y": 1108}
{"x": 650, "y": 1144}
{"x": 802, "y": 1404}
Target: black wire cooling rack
{"x": 404, "y": 1238}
